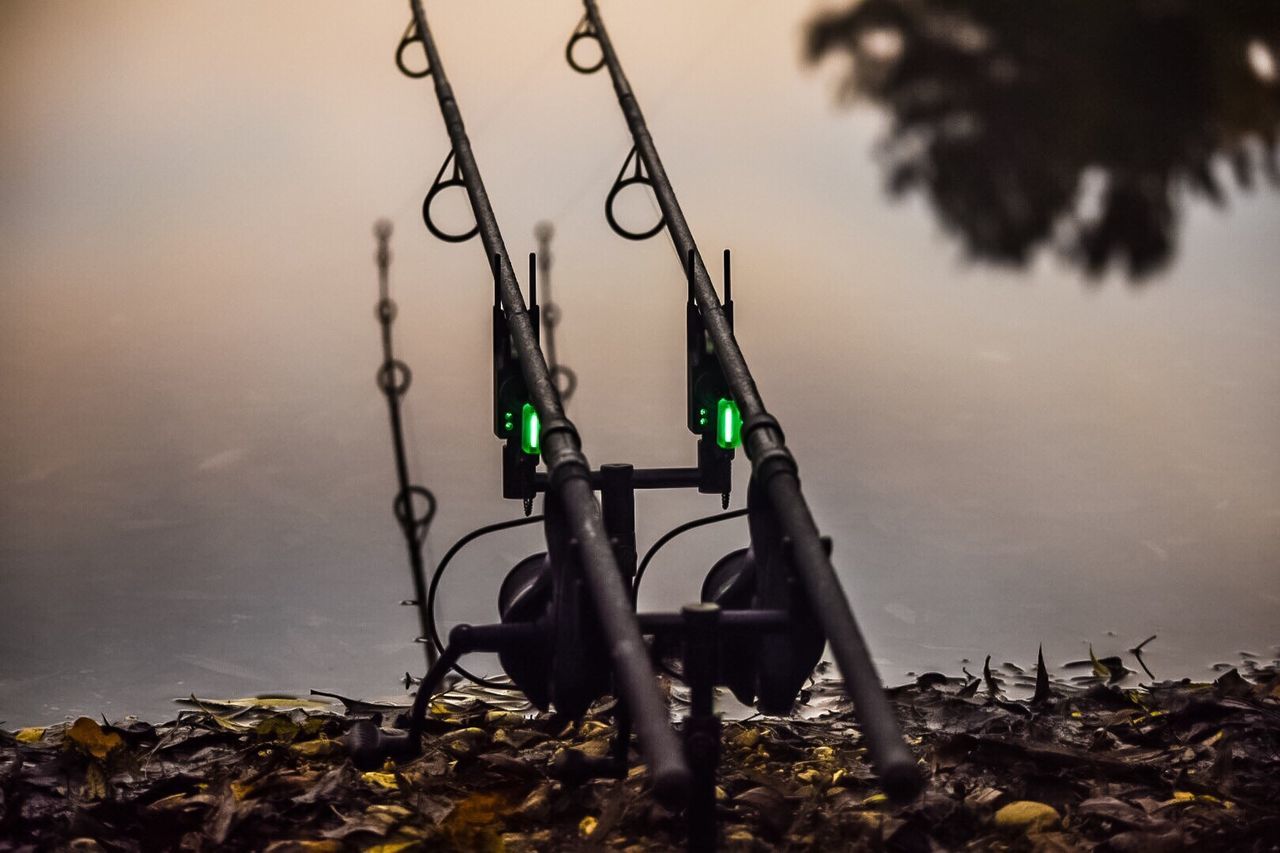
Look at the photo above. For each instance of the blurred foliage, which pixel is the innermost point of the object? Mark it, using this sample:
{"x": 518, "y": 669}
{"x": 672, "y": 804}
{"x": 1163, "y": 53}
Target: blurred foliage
{"x": 1076, "y": 125}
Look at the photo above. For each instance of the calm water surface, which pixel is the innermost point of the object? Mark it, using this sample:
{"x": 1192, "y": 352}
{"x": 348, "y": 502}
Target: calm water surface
{"x": 196, "y": 478}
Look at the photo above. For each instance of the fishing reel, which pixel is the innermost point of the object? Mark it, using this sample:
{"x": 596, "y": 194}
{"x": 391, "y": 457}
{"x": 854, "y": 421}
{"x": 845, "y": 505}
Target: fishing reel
{"x": 567, "y": 664}
{"x": 769, "y": 645}
{"x": 768, "y": 668}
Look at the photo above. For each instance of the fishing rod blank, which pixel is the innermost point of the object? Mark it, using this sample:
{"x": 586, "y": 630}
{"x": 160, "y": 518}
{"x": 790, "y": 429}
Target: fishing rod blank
{"x": 772, "y": 464}
{"x": 571, "y": 499}
{"x": 394, "y": 378}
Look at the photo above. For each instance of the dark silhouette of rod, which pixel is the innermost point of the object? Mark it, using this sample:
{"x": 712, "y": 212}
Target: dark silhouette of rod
{"x": 772, "y": 463}
{"x": 568, "y": 471}
{"x": 393, "y": 378}
{"x": 565, "y": 378}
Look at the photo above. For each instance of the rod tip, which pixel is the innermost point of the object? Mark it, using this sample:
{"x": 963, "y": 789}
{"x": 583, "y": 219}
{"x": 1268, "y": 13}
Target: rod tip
{"x": 382, "y": 229}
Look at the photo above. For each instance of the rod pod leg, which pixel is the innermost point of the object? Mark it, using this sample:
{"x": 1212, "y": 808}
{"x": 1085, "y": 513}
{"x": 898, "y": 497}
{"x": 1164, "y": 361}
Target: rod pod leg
{"x": 701, "y": 725}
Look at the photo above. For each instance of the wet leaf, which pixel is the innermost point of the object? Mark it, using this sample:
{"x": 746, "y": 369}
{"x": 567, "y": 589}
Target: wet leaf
{"x": 993, "y": 689}
{"x": 1099, "y": 668}
{"x": 392, "y": 847}
{"x": 95, "y": 782}
{"x": 362, "y": 706}
{"x": 1027, "y": 815}
{"x": 304, "y": 847}
{"x": 386, "y": 781}
{"x": 319, "y": 748}
{"x": 277, "y": 728}
{"x": 1042, "y": 694}
{"x": 86, "y": 735}
{"x": 264, "y": 702}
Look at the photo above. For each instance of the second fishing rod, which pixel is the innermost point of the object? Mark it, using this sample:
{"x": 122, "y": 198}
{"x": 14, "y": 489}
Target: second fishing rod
{"x": 773, "y": 466}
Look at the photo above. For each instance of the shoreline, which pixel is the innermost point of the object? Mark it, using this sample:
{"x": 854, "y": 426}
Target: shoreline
{"x": 1169, "y": 765}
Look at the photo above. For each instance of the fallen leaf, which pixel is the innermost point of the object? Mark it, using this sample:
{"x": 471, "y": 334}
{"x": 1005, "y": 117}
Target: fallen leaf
{"x": 386, "y": 781}
{"x": 87, "y": 736}
{"x": 1027, "y": 815}
{"x": 318, "y": 748}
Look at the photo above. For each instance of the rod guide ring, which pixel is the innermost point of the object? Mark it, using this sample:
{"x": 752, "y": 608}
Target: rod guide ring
{"x": 584, "y": 31}
{"x": 410, "y": 37}
{"x": 438, "y": 186}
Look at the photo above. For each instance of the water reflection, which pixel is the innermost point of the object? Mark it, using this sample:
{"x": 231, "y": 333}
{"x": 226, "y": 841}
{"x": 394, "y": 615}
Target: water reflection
{"x": 1073, "y": 127}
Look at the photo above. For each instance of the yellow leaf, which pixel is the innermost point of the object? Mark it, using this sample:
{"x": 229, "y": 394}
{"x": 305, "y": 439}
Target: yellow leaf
{"x": 1099, "y": 668}
{"x": 267, "y": 701}
{"x": 32, "y": 735}
{"x": 304, "y": 846}
{"x": 89, "y": 737}
{"x": 875, "y": 800}
{"x": 391, "y": 847}
{"x": 478, "y": 810}
{"x": 317, "y": 748}
{"x": 312, "y": 726}
{"x": 592, "y": 728}
{"x": 392, "y": 810}
{"x": 1027, "y": 815}
{"x": 811, "y": 777}
{"x": 95, "y": 782}
{"x": 171, "y": 801}
{"x": 587, "y": 826}
{"x": 278, "y": 728}
{"x": 464, "y": 741}
{"x": 381, "y": 780}
{"x": 229, "y": 724}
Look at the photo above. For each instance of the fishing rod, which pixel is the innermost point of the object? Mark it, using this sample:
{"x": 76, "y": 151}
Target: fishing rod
{"x": 579, "y": 548}
{"x": 393, "y": 379}
{"x": 774, "y": 469}
{"x": 565, "y": 377}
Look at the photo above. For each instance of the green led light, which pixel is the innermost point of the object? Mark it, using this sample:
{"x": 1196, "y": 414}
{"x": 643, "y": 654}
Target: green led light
{"x": 507, "y": 421}
{"x": 728, "y": 424}
{"x": 530, "y": 426}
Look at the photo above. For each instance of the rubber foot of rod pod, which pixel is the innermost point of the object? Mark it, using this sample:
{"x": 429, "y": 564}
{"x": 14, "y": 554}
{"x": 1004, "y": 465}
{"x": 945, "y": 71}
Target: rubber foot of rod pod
{"x": 671, "y": 788}
{"x": 902, "y": 780}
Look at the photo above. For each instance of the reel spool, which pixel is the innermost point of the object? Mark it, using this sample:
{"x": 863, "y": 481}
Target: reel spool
{"x": 569, "y": 668}
{"x": 765, "y": 670}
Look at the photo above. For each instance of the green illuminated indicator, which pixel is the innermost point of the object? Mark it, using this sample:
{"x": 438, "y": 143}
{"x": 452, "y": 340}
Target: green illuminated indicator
{"x": 507, "y": 421}
{"x": 529, "y": 428}
{"x": 702, "y": 417}
{"x": 728, "y": 424}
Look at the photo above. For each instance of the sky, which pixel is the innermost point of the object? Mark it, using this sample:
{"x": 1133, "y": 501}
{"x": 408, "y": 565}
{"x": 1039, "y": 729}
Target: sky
{"x": 196, "y": 477}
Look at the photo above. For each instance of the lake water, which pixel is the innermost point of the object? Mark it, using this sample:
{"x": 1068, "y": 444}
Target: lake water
{"x": 196, "y": 477}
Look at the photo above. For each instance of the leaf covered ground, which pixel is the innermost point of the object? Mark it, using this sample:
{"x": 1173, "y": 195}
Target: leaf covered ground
{"x": 1082, "y": 765}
